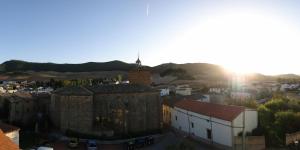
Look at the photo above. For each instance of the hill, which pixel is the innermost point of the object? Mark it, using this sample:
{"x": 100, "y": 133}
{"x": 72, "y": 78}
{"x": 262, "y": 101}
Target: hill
{"x": 16, "y": 69}
{"x": 18, "y": 66}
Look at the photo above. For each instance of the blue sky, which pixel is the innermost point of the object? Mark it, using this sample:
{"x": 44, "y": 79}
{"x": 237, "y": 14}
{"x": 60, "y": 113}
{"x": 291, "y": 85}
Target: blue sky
{"x": 76, "y": 31}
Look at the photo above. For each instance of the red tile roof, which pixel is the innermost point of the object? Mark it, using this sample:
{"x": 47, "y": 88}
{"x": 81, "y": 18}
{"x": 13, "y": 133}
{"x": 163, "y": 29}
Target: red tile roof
{"x": 6, "y": 128}
{"x": 224, "y": 112}
{"x": 6, "y": 143}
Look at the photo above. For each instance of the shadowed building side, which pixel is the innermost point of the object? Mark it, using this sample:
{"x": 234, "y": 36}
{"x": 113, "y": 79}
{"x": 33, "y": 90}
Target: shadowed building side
{"x": 107, "y": 109}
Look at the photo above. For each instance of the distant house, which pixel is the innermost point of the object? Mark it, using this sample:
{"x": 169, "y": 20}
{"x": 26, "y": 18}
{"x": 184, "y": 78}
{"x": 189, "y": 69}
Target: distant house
{"x": 217, "y": 90}
{"x": 164, "y": 92}
{"x": 241, "y": 95}
{"x": 183, "y": 90}
{"x": 213, "y": 123}
{"x": 199, "y": 97}
{"x": 286, "y": 87}
{"x": 2, "y": 90}
{"x": 11, "y": 132}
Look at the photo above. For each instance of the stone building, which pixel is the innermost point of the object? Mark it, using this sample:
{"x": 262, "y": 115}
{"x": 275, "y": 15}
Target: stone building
{"x": 107, "y": 109}
{"x": 71, "y": 108}
{"x": 22, "y": 108}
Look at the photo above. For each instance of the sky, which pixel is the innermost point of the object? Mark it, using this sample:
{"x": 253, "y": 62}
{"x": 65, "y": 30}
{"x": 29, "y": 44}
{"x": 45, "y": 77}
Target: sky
{"x": 243, "y": 36}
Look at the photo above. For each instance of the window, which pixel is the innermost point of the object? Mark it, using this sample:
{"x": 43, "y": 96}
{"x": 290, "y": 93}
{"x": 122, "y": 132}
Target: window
{"x": 208, "y": 132}
{"x": 175, "y": 117}
{"x": 192, "y": 124}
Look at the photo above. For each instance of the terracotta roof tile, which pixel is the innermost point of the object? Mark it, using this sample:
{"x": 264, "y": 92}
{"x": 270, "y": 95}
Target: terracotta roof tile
{"x": 6, "y": 143}
{"x": 224, "y": 112}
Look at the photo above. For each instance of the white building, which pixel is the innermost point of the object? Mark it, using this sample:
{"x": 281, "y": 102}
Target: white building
{"x": 212, "y": 123}
{"x": 241, "y": 95}
{"x": 164, "y": 92}
{"x": 183, "y": 90}
{"x": 2, "y": 90}
{"x": 285, "y": 87}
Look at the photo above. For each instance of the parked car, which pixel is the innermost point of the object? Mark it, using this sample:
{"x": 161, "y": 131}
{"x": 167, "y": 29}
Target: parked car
{"x": 91, "y": 145}
{"x": 149, "y": 140}
{"x": 139, "y": 142}
{"x": 45, "y": 148}
{"x": 73, "y": 143}
{"x": 130, "y": 145}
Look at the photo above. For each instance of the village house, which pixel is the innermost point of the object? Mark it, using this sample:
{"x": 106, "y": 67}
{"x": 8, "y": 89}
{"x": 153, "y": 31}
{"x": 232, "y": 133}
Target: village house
{"x": 212, "y": 123}
{"x": 168, "y": 104}
{"x": 242, "y": 95}
{"x": 183, "y": 90}
{"x": 11, "y": 132}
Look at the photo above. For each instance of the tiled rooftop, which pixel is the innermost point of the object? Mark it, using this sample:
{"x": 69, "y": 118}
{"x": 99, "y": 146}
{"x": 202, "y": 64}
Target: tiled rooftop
{"x": 73, "y": 90}
{"x": 120, "y": 88}
{"x": 224, "y": 112}
{"x": 6, "y": 143}
{"x": 104, "y": 89}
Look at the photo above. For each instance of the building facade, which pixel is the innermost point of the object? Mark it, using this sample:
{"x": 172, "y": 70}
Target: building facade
{"x": 107, "y": 109}
{"x": 213, "y": 123}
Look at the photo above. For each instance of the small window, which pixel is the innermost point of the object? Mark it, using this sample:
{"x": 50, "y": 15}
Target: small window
{"x": 208, "y": 132}
{"x": 175, "y": 117}
{"x": 192, "y": 124}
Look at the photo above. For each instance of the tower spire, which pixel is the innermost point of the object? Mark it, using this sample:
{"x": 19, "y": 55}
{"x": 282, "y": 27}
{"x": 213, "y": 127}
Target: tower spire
{"x": 138, "y": 61}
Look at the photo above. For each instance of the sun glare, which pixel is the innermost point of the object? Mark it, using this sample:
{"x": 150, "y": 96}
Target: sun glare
{"x": 243, "y": 42}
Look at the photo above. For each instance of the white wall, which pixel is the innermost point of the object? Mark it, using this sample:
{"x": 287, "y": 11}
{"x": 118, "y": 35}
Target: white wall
{"x": 221, "y": 129}
{"x": 222, "y": 132}
{"x": 251, "y": 121}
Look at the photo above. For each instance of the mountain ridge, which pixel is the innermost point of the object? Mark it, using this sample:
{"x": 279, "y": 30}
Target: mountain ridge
{"x": 190, "y": 70}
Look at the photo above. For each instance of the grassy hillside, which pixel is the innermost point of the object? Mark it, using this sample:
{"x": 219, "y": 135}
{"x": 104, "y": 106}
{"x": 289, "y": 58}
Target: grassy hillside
{"x": 16, "y": 69}
{"x": 17, "y": 66}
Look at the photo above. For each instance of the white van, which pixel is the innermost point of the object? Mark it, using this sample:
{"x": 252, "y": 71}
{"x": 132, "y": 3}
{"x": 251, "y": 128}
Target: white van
{"x": 45, "y": 148}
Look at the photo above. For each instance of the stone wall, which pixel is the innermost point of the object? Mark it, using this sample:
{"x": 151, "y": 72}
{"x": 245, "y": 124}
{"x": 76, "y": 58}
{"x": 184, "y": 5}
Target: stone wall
{"x": 290, "y": 138}
{"x": 252, "y": 143}
{"x": 22, "y": 111}
{"x": 72, "y": 112}
{"x": 128, "y": 113}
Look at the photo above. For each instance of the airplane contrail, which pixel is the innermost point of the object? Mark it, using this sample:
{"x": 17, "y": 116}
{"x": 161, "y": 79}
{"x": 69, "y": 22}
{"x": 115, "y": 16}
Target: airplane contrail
{"x": 147, "y": 12}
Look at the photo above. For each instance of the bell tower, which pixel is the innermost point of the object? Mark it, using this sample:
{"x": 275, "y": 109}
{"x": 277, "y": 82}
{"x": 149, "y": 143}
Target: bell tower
{"x": 139, "y": 75}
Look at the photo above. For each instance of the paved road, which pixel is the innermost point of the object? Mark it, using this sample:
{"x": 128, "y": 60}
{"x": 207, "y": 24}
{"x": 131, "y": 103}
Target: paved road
{"x": 160, "y": 144}
{"x": 173, "y": 139}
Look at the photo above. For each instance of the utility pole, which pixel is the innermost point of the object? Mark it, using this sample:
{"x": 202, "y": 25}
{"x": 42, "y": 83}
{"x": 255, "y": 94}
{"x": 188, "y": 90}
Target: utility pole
{"x": 244, "y": 138}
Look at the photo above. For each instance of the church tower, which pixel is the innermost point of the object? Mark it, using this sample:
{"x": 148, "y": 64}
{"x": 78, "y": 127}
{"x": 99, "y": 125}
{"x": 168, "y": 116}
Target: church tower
{"x": 139, "y": 75}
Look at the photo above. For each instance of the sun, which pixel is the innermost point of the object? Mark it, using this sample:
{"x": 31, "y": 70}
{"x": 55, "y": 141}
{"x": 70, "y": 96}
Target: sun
{"x": 242, "y": 42}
